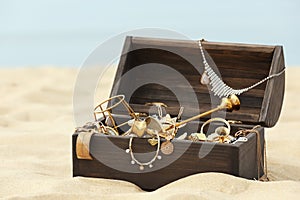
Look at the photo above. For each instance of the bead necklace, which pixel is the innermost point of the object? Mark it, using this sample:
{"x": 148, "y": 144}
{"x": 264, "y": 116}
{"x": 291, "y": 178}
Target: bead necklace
{"x": 143, "y": 164}
{"x": 218, "y": 87}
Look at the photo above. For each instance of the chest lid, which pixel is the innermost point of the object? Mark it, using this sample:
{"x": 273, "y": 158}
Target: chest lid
{"x": 169, "y": 71}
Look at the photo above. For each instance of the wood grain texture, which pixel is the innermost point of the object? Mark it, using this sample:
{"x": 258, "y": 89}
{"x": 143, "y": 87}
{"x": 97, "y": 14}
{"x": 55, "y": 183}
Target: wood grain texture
{"x": 111, "y": 161}
{"x": 274, "y": 93}
{"x": 239, "y": 65}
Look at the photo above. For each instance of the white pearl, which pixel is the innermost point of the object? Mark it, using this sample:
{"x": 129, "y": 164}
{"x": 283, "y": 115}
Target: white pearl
{"x": 127, "y": 150}
{"x": 150, "y": 166}
{"x": 141, "y": 167}
{"x": 132, "y": 162}
{"x": 159, "y": 157}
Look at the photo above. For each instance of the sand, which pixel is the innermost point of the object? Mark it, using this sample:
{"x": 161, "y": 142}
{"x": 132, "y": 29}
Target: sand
{"x": 36, "y": 124}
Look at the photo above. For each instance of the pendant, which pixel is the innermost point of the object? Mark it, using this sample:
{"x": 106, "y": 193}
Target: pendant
{"x": 139, "y": 128}
{"x": 167, "y": 148}
{"x": 201, "y": 136}
{"x": 221, "y": 130}
{"x": 152, "y": 141}
{"x": 204, "y": 79}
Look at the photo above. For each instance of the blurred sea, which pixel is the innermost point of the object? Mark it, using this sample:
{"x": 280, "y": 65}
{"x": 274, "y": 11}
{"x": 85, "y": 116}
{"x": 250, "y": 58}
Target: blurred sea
{"x": 47, "y": 49}
{"x": 68, "y": 49}
{"x": 64, "y": 33}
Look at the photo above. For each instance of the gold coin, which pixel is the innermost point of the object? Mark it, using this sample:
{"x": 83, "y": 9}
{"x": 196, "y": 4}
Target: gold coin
{"x": 167, "y": 148}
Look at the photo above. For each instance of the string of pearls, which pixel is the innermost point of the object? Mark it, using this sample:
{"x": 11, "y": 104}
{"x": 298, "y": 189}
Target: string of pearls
{"x": 142, "y": 164}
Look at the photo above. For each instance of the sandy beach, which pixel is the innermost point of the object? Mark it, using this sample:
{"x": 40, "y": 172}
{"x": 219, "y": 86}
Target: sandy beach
{"x": 36, "y": 124}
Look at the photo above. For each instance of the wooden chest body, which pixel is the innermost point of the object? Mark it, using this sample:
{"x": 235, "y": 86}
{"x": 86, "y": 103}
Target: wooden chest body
{"x": 240, "y": 65}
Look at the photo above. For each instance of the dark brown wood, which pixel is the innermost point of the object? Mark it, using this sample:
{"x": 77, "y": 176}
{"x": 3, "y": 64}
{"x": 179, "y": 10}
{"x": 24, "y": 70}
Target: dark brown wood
{"x": 274, "y": 92}
{"x": 240, "y": 66}
{"x": 155, "y": 42}
{"x": 111, "y": 161}
{"x": 123, "y": 62}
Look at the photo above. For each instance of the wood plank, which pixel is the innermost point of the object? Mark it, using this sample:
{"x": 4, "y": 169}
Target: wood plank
{"x": 124, "y": 60}
{"x": 250, "y": 70}
{"x": 154, "y": 42}
{"x": 174, "y": 54}
{"x": 244, "y": 62}
{"x": 243, "y": 114}
{"x": 194, "y": 80}
{"x": 201, "y": 89}
{"x": 182, "y": 162}
{"x": 273, "y": 98}
{"x": 172, "y": 100}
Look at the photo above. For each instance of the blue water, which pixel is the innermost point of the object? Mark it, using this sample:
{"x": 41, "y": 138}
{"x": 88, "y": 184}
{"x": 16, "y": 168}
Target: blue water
{"x": 35, "y": 50}
{"x": 51, "y": 32}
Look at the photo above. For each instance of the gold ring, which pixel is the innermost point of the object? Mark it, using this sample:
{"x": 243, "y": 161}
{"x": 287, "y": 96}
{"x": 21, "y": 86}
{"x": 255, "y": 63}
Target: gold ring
{"x": 217, "y": 119}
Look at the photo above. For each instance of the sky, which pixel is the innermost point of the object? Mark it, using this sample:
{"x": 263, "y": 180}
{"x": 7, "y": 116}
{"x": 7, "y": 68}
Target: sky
{"x": 64, "y": 33}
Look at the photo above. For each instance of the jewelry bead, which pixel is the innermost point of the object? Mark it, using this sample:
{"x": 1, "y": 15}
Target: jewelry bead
{"x": 219, "y": 88}
{"x": 159, "y": 157}
{"x": 150, "y": 166}
{"x": 204, "y": 79}
{"x": 141, "y": 164}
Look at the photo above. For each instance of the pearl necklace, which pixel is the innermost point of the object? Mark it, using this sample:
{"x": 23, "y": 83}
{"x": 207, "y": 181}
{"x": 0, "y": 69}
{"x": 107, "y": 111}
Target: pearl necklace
{"x": 142, "y": 164}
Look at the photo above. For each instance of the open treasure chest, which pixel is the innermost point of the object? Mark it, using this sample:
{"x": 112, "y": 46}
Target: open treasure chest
{"x": 181, "y": 107}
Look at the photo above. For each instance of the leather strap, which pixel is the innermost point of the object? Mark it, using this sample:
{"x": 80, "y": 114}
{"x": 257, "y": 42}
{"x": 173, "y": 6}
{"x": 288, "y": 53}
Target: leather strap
{"x": 83, "y": 145}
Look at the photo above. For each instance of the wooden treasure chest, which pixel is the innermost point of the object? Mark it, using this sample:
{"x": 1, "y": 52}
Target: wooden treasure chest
{"x": 162, "y": 76}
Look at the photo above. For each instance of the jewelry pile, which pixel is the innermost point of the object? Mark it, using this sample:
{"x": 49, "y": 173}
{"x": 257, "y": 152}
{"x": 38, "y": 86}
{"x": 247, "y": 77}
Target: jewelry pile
{"x": 158, "y": 127}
